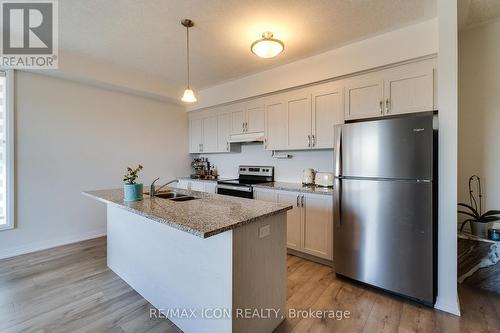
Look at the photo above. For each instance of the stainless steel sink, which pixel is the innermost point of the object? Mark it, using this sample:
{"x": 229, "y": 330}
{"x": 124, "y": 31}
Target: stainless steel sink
{"x": 184, "y": 198}
{"x": 169, "y": 195}
{"x": 174, "y": 196}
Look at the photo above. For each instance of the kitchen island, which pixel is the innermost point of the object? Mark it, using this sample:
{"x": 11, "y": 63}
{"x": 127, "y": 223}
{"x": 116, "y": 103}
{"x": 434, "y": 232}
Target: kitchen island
{"x": 212, "y": 264}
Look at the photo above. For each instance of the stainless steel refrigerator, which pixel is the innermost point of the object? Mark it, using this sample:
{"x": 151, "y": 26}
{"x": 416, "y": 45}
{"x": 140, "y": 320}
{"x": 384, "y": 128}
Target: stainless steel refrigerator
{"x": 385, "y": 204}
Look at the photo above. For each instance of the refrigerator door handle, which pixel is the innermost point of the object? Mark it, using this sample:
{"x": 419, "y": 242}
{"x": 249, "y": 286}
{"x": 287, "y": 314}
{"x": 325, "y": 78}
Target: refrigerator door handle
{"x": 338, "y": 150}
{"x": 337, "y": 209}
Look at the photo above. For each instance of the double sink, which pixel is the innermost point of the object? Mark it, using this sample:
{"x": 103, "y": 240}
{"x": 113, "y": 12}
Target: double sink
{"x": 174, "y": 196}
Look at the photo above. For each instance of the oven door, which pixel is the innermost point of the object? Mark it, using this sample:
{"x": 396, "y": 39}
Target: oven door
{"x": 235, "y": 191}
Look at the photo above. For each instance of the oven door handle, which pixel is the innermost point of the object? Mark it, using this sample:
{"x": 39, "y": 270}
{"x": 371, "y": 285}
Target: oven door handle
{"x": 235, "y": 188}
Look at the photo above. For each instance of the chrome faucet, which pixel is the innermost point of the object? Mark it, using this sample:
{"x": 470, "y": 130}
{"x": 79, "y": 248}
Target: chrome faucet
{"x": 153, "y": 191}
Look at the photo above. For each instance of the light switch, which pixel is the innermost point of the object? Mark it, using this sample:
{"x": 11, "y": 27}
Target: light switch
{"x": 264, "y": 231}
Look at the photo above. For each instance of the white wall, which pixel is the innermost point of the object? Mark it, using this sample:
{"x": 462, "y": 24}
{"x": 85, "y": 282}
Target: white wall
{"x": 83, "y": 69}
{"x": 479, "y": 111}
{"x": 447, "y": 298}
{"x": 287, "y": 170}
{"x": 72, "y": 137}
{"x": 411, "y": 42}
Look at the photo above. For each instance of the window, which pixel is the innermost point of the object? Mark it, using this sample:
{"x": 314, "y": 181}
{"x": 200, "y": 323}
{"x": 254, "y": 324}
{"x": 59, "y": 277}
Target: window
{"x": 6, "y": 150}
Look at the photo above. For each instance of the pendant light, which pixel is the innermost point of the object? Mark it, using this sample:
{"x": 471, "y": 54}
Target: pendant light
{"x": 267, "y": 47}
{"x": 188, "y": 96}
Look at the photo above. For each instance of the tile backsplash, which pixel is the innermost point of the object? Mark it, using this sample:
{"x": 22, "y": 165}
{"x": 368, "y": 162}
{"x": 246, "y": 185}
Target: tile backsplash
{"x": 286, "y": 170}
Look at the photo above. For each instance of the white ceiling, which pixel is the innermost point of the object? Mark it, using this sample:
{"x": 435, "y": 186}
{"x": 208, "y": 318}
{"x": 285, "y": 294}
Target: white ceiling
{"x": 474, "y": 12}
{"x": 147, "y": 36}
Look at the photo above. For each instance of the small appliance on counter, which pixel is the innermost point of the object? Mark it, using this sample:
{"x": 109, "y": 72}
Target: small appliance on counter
{"x": 308, "y": 176}
{"x": 203, "y": 169}
{"x": 247, "y": 176}
{"x": 324, "y": 179}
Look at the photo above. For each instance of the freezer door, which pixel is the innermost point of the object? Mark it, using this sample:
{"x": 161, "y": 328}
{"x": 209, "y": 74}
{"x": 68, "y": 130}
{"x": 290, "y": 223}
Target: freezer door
{"x": 384, "y": 235}
{"x": 397, "y": 148}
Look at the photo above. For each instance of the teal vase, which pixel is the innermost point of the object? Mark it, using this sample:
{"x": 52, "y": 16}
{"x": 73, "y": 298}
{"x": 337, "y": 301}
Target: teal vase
{"x": 132, "y": 192}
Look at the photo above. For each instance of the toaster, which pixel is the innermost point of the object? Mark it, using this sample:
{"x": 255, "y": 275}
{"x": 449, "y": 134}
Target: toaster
{"x": 324, "y": 179}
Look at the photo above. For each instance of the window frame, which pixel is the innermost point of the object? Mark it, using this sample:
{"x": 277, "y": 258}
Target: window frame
{"x": 9, "y": 154}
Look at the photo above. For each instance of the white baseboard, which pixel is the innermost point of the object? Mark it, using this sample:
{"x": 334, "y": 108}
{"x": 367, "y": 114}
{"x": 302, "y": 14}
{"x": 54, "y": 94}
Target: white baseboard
{"x": 50, "y": 243}
{"x": 450, "y": 307}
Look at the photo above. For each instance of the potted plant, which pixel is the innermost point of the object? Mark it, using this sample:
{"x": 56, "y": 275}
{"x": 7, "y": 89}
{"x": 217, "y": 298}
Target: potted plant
{"x": 131, "y": 190}
{"x": 479, "y": 222}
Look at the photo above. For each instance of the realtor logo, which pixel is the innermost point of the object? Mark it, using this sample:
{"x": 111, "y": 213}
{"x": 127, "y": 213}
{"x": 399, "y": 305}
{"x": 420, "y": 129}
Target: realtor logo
{"x": 29, "y": 34}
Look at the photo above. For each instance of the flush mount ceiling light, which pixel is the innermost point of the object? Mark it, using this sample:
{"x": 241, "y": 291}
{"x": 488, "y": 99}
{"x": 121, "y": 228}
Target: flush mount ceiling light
{"x": 188, "y": 95}
{"x": 267, "y": 47}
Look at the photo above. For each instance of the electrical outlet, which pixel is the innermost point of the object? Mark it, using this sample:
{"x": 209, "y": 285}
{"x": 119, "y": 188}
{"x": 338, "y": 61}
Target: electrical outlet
{"x": 264, "y": 231}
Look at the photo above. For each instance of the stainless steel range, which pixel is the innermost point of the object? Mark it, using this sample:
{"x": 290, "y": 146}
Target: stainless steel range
{"x": 248, "y": 175}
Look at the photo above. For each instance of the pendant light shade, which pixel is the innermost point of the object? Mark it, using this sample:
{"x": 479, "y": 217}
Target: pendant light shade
{"x": 188, "y": 95}
{"x": 267, "y": 47}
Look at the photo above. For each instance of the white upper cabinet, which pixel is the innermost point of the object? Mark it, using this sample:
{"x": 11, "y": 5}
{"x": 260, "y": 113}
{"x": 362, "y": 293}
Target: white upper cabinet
{"x": 303, "y": 118}
{"x": 298, "y": 108}
{"x": 248, "y": 117}
{"x": 409, "y": 89}
{"x": 256, "y": 117}
{"x": 364, "y": 97}
{"x": 195, "y": 135}
{"x": 276, "y": 119}
{"x": 210, "y": 132}
{"x": 327, "y": 111}
{"x": 238, "y": 118}
{"x": 224, "y": 124}
{"x": 404, "y": 89}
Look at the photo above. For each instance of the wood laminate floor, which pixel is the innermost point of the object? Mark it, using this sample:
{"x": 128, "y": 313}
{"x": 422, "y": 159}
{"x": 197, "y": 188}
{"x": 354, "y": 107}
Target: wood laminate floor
{"x": 70, "y": 289}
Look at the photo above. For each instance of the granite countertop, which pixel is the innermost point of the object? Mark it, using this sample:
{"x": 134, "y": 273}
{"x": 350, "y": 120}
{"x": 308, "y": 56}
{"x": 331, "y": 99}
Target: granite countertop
{"x": 296, "y": 187}
{"x": 207, "y": 216}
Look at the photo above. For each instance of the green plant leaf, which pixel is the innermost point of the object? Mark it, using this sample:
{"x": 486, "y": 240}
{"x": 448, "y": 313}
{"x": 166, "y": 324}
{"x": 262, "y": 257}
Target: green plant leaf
{"x": 463, "y": 224}
{"x": 469, "y": 214}
{"x": 469, "y": 207}
{"x": 492, "y": 212}
{"x": 489, "y": 219}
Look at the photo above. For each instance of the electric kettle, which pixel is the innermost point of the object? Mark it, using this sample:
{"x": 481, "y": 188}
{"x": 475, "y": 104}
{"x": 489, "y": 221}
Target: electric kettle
{"x": 308, "y": 176}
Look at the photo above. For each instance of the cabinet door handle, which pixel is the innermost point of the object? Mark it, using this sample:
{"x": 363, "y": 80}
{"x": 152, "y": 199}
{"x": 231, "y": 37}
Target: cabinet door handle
{"x": 297, "y": 200}
{"x": 313, "y": 140}
{"x": 227, "y": 146}
{"x": 243, "y": 126}
{"x": 246, "y": 126}
{"x": 202, "y": 147}
{"x": 199, "y": 147}
{"x": 309, "y": 141}
{"x": 387, "y": 105}
{"x": 265, "y": 143}
{"x": 302, "y": 200}
{"x": 380, "y": 107}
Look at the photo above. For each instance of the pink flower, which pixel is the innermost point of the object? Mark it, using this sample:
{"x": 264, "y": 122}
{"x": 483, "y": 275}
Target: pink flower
{"x": 140, "y": 166}
{"x": 129, "y": 169}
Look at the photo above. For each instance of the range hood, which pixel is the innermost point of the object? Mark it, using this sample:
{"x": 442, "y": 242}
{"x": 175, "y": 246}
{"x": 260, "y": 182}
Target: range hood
{"x": 247, "y": 137}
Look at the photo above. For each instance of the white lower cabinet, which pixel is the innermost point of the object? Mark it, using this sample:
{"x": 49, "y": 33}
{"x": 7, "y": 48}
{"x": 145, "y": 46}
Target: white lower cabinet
{"x": 197, "y": 185}
{"x": 294, "y": 218}
{"x": 264, "y": 194}
{"x": 210, "y": 187}
{"x": 318, "y": 225}
{"x": 309, "y": 222}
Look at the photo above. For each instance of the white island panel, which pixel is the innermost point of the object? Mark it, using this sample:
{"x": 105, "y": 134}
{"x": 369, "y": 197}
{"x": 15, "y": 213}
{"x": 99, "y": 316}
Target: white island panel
{"x": 173, "y": 269}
